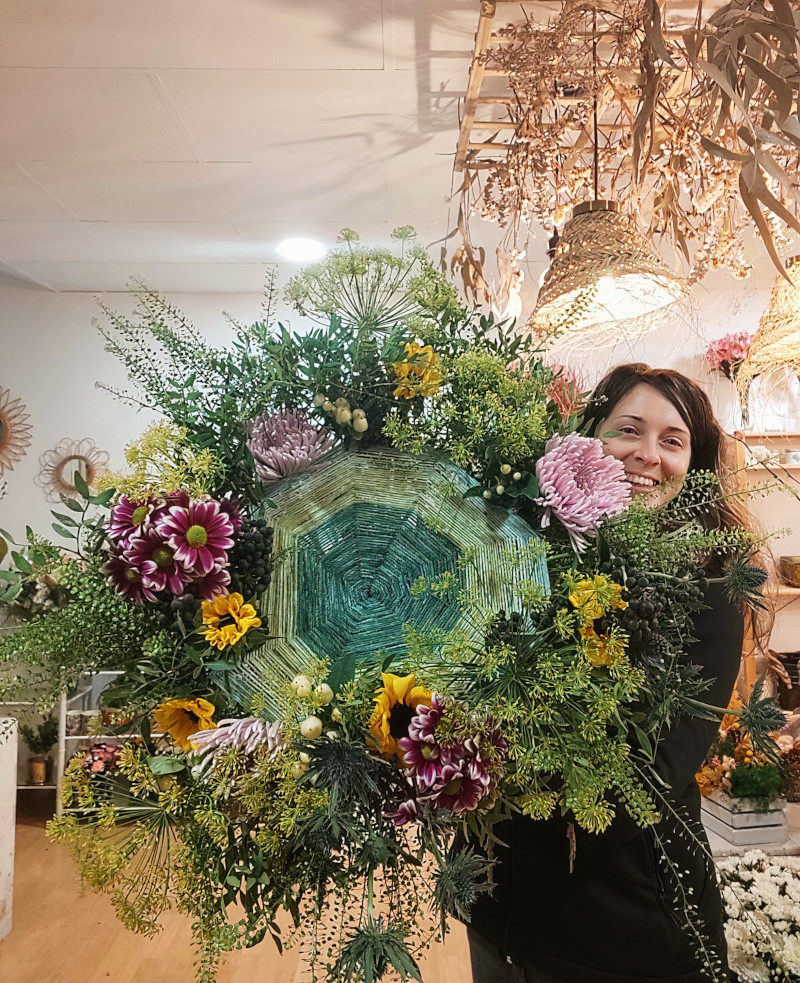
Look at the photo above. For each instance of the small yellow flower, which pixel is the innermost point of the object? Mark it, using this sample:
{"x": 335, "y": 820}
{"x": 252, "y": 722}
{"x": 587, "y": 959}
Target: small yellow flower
{"x": 182, "y": 718}
{"x": 395, "y": 705}
{"x": 419, "y": 373}
{"x": 228, "y": 619}
{"x": 593, "y": 597}
{"x": 602, "y": 650}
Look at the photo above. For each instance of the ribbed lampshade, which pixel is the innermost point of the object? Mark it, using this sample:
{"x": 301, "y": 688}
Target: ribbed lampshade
{"x": 606, "y": 283}
{"x": 777, "y": 341}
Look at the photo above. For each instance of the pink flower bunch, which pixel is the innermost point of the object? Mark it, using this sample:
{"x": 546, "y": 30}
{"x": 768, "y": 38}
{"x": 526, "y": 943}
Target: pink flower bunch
{"x": 727, "y": 354}
{"x": 565, "y": 389}
{"x": 458, "y": 775}
{"x": 101, "y": 758}
{"x": 168, "y": 546}
{"x": 580, "y": 485}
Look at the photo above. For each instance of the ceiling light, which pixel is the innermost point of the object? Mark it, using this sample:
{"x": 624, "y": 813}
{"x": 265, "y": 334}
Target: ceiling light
{"x": 301, "y": 250}
{"x": 605, "y": 282}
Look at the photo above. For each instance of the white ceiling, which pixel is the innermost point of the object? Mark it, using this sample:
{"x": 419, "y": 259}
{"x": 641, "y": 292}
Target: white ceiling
{"x": 180, "y": 140}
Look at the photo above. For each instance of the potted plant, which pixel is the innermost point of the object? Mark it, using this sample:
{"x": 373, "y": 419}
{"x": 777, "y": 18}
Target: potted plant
{"x": 39, "y": 741}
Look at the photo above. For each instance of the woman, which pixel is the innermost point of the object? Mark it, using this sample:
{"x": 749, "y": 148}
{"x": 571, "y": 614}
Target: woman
{"x": 619, "y": 917}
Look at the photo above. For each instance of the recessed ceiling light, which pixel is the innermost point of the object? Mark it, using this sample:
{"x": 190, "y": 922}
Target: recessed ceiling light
{"x": 301, "y": 250}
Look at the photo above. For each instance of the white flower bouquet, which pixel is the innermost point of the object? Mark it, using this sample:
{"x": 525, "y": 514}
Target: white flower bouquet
{"x": 762, "y": 908}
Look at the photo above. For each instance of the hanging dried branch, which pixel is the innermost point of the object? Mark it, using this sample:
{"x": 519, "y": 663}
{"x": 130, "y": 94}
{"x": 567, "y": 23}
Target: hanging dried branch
{"x": 698, "y": 130}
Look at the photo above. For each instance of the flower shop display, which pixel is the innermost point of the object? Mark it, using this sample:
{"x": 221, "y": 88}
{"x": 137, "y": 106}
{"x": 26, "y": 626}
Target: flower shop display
{"x": 743, "y": 788}
{"x": 762, "y": 907}
{"x": 368, "y": 591}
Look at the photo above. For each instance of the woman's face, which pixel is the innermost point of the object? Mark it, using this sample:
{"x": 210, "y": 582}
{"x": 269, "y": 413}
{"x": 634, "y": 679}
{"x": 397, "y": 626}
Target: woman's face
{"x": 654, "y": 443}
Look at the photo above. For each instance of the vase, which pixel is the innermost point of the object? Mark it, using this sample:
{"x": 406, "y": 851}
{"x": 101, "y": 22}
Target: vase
{"x": 37, "y": 771}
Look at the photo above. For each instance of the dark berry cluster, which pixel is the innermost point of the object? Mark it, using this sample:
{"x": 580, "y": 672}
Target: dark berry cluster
{"x": 504, "y": 630}
{"x": 251, "y": 558}
{"x": 646, "y": 600}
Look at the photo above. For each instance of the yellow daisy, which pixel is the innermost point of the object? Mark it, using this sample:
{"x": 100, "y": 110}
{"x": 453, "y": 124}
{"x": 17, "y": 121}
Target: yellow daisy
{"x": 228, "y": 619}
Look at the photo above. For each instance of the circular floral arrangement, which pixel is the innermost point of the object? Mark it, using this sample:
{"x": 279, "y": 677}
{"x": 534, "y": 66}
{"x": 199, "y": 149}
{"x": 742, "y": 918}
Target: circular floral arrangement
{"x": 366, "y": 588}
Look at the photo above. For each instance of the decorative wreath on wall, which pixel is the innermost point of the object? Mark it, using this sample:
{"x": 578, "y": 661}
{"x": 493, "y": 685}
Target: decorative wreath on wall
{"x": 15, "y": 431}
{"x": 58, "y": 467}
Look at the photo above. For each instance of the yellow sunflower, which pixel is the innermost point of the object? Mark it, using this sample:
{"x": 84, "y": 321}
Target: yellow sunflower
{"x": 182, "y": 718}
{"x": 228, "y": 619}
{"x": 419, "y": 373}
{"x": 395, "y": 705}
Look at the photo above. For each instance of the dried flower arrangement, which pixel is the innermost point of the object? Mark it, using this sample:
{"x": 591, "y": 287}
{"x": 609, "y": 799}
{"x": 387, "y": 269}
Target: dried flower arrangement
{"x": 694, "y": 129}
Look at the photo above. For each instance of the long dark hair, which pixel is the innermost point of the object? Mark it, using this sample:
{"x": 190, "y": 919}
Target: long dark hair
{"x": 709, "y": 452}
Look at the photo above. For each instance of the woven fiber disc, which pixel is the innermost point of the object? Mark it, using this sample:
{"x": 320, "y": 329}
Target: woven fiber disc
{"x": 352, "y": 536}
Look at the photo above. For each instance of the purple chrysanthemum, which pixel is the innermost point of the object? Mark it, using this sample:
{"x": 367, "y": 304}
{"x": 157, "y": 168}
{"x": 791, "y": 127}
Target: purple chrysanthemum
{"x": 126, "y": 579}
{"x": 128, "y": 516}
{"x": 460, "y": 784}
{"x": 580, "y": 485}
{"x": 232, "y": 505}
{"x": 157, "y": 561}
{"x": 451, "y": 774}
{"x": 406, "y": 812}
{"x": 200, "y": 534}
{"x": 211, "y": 585}
{"x": 285, "y": 443}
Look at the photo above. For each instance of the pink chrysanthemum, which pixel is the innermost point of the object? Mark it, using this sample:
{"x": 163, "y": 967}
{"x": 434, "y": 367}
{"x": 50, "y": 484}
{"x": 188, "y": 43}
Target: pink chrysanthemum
{"x": 406, "y": 812}
{"x": 460, "y": 785}
{"x": 200, "y": 535}
{"x": 211, "y": 585}
{"x": 580, "y": 485}
{"x": 126, "y": 579}
{"x": 157, "y": 561}
{"x": 128, "y": 516}
{"x": 285, "y": 443}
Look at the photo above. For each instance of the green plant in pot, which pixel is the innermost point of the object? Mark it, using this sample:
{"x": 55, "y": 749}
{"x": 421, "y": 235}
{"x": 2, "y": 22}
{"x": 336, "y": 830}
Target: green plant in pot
{"x": 40, "y": 741}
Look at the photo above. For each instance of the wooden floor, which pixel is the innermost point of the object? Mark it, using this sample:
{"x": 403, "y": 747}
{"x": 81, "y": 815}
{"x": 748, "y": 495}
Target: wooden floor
{"x": 60, "y": 937}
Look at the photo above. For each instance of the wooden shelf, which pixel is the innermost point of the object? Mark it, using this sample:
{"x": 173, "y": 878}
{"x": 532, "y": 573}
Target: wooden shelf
{"x": 786, "y": 590}
{"x": 49, "y": 785}
{"x": 749, "y": 436}
{"x": 777, "y": 466}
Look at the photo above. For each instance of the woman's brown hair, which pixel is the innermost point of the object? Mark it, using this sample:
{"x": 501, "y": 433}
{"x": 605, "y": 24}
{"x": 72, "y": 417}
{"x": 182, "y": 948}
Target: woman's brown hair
{"x": 709, "y": 450}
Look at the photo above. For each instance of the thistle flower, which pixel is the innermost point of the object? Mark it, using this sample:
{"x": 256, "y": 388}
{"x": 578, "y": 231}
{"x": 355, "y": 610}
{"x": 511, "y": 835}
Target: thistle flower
{"x": 200, "y": 534}
{"x": 285, "y": 443}
{"x": 580, "y": 485}
{"x": 156, "y": 561}
{"x": 126, "y": 579}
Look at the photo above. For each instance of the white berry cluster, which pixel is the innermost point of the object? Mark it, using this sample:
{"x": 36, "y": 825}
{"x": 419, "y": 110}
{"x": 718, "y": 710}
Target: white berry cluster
{"x": 762, "y": 907}
{"x": 341, "y": 410}
{"x": 500, "y": 488}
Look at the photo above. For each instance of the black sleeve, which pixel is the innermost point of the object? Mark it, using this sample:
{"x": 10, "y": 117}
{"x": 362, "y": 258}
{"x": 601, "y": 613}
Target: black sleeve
{"x": 719, "y": 634}
{"x": 719, "y": 630}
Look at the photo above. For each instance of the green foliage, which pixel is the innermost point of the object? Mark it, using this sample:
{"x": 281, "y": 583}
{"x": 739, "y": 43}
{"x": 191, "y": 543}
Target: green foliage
{"x": 761, "y": 782}
{"x": 43, "y": 738}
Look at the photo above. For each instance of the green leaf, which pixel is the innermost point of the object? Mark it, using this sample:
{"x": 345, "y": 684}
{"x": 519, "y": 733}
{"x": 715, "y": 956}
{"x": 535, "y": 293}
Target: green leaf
{"x": 11, "y": 575}
{"x": 104, "y": 497}
{"x": 161, "y": 764}
{"x": 71, "y": 504}
{"x": 66, "y": 519}
{"x": 63, "y": 532}
{"x": 342, "y": 671}
{"x": 80, "y": 485}
{"x": 644, "y": 741}
{"x": 21, "y": 563}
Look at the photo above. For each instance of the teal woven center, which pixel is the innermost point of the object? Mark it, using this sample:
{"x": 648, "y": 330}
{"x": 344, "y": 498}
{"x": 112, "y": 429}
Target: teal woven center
{"x": 354, "y": 576}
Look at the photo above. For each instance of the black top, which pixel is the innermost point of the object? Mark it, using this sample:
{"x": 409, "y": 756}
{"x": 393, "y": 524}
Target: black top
{"x": 616, "y": 918}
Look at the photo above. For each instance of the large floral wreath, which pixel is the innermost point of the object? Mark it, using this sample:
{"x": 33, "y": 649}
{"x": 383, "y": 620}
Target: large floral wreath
{"x": 367, "y": 587}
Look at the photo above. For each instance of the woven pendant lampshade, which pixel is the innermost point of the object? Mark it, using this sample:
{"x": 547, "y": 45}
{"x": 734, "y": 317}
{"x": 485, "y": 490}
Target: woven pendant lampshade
{"x": 605, "y": 282}
{"x": 777, "y": 342}
{"x": 352, "y": 535}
